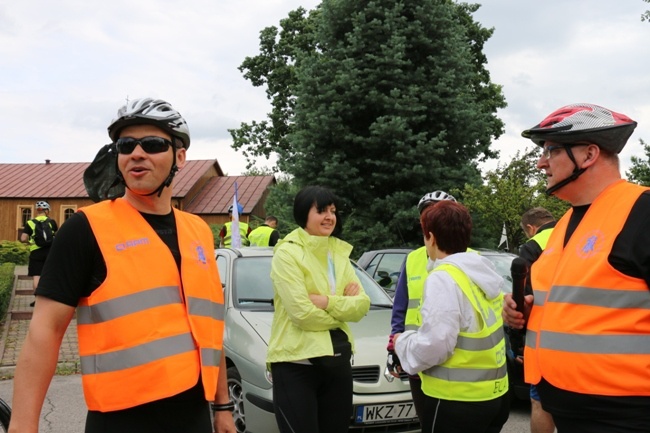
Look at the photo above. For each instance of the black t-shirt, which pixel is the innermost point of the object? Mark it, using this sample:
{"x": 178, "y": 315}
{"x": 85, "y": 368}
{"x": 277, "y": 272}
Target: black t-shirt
{"x": 76, "y": 267}
{"x": 631, "y": 256}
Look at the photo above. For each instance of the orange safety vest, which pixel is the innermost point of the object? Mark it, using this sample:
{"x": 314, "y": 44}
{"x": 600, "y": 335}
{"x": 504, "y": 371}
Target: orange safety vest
{"x": 589, "y": 329}
{"x": 146, "y": 332}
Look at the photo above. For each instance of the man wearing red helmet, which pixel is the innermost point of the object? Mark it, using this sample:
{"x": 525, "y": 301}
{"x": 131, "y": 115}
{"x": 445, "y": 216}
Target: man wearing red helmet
{"x": 588, "y": 320}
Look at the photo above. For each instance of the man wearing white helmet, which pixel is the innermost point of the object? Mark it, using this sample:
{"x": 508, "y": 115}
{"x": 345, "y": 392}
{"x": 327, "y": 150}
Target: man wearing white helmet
{"x": 405, "y": 314}
{"x": 588, "y": 320}
{"x": 143, "y": 282}
{"x": 36, "y": 233}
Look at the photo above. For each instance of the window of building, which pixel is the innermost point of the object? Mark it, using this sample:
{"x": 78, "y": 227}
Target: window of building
{"x": 25, "y": 213}
{"x": 68, "y": 211}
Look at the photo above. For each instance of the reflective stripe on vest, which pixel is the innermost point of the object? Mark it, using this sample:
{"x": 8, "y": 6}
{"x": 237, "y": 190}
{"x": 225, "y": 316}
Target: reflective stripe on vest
{"x": 145, "y": 328}
{"x": 261, "y": 236}
{"x": 589, "y": 332}
{"x": 477, "y": 370}
{"x": 416, "y": 272}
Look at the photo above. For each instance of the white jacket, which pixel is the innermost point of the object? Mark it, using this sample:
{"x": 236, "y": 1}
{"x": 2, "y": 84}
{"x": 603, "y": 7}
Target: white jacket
{"x": 445, "y": 312}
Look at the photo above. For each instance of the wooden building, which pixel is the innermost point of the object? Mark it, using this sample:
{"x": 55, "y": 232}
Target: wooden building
{"x": 200, "y": 188}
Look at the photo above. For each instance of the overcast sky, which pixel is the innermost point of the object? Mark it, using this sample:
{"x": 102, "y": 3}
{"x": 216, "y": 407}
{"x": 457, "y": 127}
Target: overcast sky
{"x": 67, "y": 65}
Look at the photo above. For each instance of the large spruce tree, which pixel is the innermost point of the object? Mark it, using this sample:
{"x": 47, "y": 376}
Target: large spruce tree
{"x": 388, "y": 100}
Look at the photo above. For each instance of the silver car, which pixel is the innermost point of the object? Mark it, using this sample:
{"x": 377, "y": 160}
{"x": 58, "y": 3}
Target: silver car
{"x": 380, "y": 404}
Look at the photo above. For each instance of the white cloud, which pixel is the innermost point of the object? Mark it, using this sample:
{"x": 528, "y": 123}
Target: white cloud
{"x": 68, "y": 65}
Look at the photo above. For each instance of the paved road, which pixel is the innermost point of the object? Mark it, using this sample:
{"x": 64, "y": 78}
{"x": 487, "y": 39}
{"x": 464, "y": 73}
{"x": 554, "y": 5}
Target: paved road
{"x": 64, "y": 410}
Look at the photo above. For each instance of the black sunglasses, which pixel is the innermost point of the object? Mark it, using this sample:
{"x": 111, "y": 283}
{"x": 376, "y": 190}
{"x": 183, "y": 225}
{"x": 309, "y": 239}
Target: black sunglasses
{"x": 126, "y": 145}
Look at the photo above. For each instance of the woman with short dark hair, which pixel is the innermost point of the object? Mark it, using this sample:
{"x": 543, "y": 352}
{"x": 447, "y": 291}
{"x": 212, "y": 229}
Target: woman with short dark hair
{"x": 316, "y": 293}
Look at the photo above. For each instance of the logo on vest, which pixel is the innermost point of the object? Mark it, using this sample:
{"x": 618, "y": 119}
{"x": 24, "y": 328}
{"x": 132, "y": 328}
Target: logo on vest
{"x": 123, "y": 246}
{"x": 590, "y": 244}
{"x": 200, "y": 253}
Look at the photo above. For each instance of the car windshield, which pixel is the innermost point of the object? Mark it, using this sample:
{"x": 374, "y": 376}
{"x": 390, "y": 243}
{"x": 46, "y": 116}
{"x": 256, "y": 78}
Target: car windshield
{"x": 253, "y": 288}
{"x": 502, "y": 263}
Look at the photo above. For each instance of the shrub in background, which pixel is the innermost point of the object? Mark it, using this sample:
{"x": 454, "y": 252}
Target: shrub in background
{"x": 14, "y": 252}
{"x": 6, "y": 285}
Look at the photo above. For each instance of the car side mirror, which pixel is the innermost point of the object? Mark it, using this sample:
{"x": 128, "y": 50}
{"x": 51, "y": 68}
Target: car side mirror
{"x": 384, "y": 279}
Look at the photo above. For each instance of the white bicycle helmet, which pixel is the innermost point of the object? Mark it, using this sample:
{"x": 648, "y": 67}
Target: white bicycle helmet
{"x": 583, "y": 123}
{"x": 42, "y": 205}
{"x": 152, "y": 112}
{"x": 433, "y": 197}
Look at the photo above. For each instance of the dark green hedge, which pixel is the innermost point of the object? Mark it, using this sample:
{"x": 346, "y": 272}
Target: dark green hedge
{"x": 6, "y": 286}
{"x": 14, "y": 252}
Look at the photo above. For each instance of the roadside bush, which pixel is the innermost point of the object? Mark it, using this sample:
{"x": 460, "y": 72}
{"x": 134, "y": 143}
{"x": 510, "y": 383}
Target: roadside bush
{"x": 14, "y": 252}
{"x": 6, "y": 286}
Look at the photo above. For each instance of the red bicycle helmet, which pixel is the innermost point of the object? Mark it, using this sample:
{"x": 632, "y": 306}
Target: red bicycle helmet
{"x": 584, "y": 123}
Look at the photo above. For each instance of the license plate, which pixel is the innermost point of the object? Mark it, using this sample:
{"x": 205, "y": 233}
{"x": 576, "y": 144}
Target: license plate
{"x": 385, "y": 413}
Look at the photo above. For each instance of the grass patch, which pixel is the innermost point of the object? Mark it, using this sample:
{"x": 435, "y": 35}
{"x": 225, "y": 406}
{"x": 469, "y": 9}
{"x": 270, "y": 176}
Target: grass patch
{"x": 68, "y": 368}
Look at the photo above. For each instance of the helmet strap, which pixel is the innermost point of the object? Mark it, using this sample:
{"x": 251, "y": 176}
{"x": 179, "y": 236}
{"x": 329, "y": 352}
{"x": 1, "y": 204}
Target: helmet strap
{"x": 576, "y": 173}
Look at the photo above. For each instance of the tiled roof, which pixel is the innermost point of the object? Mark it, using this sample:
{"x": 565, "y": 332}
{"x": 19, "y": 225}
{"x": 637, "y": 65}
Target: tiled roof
{"x": 216, "y": 196}
{"x": 59, "y": 180}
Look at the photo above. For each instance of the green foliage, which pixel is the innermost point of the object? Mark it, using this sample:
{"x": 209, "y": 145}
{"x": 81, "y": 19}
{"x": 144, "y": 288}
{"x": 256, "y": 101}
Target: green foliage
{"x": 640, "y": 169}
{"x": 646, "y": 15}
{"x": 258, "y": 171}
{"x": 280, "y": 204}
{"x": 508, "y": 192}
{"x": 14, "y": 252}
{"x": 6, "y": 286}
{"x": 381, "y": 101}
{"x": 216, "y": 228}
{"x": 280, "y": 52}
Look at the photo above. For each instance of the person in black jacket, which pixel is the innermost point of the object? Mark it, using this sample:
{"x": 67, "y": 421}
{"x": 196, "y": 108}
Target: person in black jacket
{"x": 537, "y": 224}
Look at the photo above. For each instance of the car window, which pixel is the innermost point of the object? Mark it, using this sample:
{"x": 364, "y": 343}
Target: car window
{"x": 376, "y": 294}
{"x": 391, "y": 263}
{"x": 371, "y": 269}
{"x": 253, "y": 287}
{"x": 502, "y": 263}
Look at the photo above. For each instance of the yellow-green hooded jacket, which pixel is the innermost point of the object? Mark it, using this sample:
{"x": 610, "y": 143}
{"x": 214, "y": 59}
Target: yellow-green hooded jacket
{"x": 299, "y": 268}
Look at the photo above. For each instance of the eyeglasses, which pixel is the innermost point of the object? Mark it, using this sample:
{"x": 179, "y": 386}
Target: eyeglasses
{"x": 546, "y": 152}
{"x": 126, "y": 145}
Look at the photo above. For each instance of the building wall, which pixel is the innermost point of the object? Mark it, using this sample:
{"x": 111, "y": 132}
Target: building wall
{"x": 13, "y": 212}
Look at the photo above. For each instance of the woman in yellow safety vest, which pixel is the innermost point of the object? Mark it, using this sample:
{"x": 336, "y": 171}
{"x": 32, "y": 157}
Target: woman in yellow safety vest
{"x": 459, "y": 350}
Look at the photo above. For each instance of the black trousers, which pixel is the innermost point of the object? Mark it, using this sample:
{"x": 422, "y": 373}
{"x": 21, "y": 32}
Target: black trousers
{"x": 450, "y": 416}
{"x": 586, "y": 413}
{"x": 418, "y": 395}
{"x": 312, "y": 399}
{"x": 186, "y": 412}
